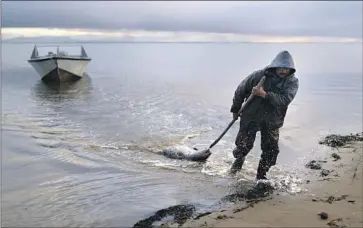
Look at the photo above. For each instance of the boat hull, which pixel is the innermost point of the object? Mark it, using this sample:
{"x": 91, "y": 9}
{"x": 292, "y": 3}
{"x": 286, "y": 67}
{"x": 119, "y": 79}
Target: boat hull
{"x": 59, "y": 75}
{"x": 60, "y": 69}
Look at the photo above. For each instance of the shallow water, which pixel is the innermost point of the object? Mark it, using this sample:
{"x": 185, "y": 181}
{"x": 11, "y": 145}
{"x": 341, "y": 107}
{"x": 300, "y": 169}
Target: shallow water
{"x": 84, "y": 154}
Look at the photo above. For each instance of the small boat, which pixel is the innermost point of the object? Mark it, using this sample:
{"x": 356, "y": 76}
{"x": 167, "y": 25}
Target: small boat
{"x": 59, "y": 66}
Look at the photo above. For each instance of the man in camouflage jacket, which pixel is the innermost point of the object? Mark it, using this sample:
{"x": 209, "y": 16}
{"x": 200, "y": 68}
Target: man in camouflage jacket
{"x": 265, "y": 113}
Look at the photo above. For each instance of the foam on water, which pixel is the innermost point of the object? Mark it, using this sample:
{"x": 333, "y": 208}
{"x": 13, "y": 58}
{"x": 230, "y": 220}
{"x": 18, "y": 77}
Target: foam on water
{"x": 282, "y": 178}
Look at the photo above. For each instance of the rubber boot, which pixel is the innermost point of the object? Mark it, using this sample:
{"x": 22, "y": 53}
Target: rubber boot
{"x": 262, "y": 171}
{"x": 237, "y": 165}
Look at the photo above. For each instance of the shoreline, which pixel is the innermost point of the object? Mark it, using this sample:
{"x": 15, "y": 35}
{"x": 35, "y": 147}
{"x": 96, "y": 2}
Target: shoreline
{"x": 333, "y": 197}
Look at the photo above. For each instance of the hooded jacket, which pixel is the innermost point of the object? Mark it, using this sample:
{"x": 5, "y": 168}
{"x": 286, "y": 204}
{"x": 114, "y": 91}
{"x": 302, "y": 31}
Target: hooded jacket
{"x": 279, "y": 93}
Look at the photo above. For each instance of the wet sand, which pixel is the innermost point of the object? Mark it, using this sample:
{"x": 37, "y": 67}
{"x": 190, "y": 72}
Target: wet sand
{"x": 337, "y": 193}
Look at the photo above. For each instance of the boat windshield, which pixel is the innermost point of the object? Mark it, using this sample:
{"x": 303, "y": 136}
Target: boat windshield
{"x": 59, "y": 51}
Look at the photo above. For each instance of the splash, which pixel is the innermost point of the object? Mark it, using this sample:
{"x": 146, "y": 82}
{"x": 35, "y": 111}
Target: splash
{"x": 283, "y": 179}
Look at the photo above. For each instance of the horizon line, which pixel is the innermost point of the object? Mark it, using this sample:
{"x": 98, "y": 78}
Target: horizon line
{"x": 104, "y": 36}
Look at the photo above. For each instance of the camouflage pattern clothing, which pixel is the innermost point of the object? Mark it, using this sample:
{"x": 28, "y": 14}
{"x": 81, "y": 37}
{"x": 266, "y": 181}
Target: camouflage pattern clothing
{"x": 264, "y": 114}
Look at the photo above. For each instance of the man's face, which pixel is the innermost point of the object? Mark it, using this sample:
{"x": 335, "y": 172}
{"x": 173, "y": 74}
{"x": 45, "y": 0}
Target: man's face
{"x": 282, "y": 72}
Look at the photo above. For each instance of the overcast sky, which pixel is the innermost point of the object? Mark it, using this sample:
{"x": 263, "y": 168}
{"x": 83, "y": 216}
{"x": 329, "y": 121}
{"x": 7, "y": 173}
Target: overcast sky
{"x": 279, "y": 18}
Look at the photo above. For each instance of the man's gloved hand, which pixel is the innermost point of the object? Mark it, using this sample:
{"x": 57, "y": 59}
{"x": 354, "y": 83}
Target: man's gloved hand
{"x": 235, "y": 116}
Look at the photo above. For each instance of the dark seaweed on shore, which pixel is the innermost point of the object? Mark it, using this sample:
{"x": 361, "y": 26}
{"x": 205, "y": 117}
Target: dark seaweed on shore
{"x": 341, "y": 140}
{"x": 180, "y": 212}
{"x": 183, "y": 212}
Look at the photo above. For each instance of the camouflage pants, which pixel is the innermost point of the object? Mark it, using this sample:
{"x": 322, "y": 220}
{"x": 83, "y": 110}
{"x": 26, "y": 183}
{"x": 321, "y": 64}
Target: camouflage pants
{"x": 269, "y": 143}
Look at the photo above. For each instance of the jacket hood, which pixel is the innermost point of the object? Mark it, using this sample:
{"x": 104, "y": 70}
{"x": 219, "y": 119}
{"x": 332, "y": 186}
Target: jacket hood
{"x": 282, "y": 59}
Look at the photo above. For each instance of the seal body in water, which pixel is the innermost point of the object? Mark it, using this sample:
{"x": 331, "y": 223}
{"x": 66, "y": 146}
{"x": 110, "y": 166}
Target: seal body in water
{"x": 186, "y": 153}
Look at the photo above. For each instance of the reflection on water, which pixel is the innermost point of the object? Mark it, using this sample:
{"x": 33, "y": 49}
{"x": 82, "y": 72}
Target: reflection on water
{"x": 59, "y": 92}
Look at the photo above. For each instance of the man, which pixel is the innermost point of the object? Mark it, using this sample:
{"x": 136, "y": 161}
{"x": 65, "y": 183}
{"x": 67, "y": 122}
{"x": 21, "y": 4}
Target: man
{"x": 265, "y": 113}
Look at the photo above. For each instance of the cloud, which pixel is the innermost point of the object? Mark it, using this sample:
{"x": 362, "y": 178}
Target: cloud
{"x": 279, "y": 18}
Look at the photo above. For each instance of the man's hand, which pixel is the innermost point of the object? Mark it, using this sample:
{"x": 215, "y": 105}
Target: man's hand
{"x": 258, "y": 92}
{"x": 235, "y": 116}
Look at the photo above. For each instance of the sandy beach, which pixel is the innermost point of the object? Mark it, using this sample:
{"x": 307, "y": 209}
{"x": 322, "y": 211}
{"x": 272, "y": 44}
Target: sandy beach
{"x": 333, "y": 199}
